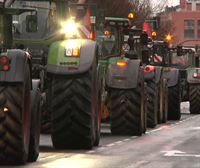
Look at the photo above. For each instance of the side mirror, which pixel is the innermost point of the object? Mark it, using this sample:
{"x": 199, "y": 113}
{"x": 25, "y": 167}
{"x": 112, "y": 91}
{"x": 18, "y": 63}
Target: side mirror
{"x": 31, "y": 23}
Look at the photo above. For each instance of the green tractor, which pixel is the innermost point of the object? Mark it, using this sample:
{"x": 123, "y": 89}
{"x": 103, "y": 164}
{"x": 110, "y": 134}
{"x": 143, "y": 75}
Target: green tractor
{"x": 180, "y": 66}
{"x": 186, "y": 61}
{"x": 59, "y": 36}
{"x": 161, "y": 56}
{"x": 19, "y": 97}
{"x": 125, "y": 89}
{"x": 156, "y": 82}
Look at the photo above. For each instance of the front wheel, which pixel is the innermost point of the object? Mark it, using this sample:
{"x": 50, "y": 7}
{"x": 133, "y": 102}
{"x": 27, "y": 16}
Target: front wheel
{"x": 35, "y": 125}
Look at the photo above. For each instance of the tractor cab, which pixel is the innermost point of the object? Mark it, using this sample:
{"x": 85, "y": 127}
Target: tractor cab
{"x": 159, "y": 53}
{"x": 182, "y": 58}
{"x": 132, "y": 45}
{"x": 110, "y": 36}
{"x": 60, "y": 19}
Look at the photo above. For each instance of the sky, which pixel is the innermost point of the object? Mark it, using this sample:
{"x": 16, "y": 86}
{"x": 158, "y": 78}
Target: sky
{"x": 170, "y": 2}
{"x": 173, "y": 2}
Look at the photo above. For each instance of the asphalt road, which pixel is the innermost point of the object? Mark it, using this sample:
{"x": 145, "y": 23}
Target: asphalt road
{"x": 175, "y": 144}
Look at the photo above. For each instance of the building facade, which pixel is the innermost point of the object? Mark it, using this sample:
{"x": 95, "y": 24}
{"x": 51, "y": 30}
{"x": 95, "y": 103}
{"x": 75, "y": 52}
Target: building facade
{"x": 185, "y": 22}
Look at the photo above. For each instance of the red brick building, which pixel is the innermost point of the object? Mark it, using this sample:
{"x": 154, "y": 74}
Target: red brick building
{"x": 185, "y": 20}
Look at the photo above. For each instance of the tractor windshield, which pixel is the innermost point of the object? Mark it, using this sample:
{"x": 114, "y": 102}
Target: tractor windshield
{"x": 45, "y": 18}
{"x": 159, "y": 53}
{"x": 180, "y": 61}
{"x": 108, "y": 43}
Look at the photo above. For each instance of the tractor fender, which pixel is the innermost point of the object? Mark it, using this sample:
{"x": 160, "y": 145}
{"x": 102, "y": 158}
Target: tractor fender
{"x": 172, "y": 76}
{"x": 59, "y": 63}
{"x": 123, "y": 77}
{"x": 18, "y": 60}
{"x": 154, "y": 75}
{"x": 190, "y": 75}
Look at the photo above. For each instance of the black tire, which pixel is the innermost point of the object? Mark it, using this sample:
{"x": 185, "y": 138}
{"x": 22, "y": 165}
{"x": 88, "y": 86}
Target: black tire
{"x": 160, "y": 103}
{"x": 45, "y": 114}
{"x": 144, "y": 107}
{"x": 15, "y": 121}
{"x": 125, "y": 107}
{"x": 174, "y": 101}
{"x": 194, "y": 98}
{"x": 152, "y": 103}
{"x": 163, "y": 103}
{"x": 35, "y": 125}
{"x": 73, "y": 105}
{"x": 98, "y": 111}
{"x": 45, "y": 108}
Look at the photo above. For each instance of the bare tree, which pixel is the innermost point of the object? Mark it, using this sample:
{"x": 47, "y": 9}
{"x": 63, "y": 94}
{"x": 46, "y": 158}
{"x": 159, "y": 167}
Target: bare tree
{"x": 165, "y": 28}
{"x": 142, "y": 10}
{"x": 158, "y": 5}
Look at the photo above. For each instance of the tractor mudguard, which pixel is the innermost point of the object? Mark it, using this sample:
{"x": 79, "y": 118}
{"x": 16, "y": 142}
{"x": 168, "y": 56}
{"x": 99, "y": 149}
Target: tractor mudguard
{"x": 154, "y": 75}
{"x": 123, "y": 77}
{"x": 172, "y": 75}
{"x": 59, "y": 63}
{"x": 193, "y": 75}
{"x": 18, "y": 60}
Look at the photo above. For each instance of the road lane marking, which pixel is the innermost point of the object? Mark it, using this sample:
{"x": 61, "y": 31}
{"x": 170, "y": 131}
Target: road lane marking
{"x": 109, "y": 145}
{"x": 155, "y": 130}
{"x": 91, "y": 151}
{"x": 118, "y": 142}
{"x": 178, "y": 153}
{"x": 195, "y": 128}
{"x": 101, "y": 148}
{"x": 162, "y": 127}
{"x": 127, "y": 139}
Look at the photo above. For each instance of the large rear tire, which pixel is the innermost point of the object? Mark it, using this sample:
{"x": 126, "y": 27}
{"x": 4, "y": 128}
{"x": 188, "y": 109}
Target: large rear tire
{"x": 73, "y": 103}
{"x": 45, "y": 113}
{"x": 174, "y": 101}
{"x": 35, "y": 125}
{"x": 98, "y": 109}
{"x": 194, "y": 98}
{"x": 163, "y": 103}
{"x": 152, "y": 103}
{"x": 15, "y": 118}
{"x": 126, "y": 111}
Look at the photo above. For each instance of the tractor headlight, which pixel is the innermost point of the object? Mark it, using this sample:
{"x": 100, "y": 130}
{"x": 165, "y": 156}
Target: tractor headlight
{"x": 69, "y": 28}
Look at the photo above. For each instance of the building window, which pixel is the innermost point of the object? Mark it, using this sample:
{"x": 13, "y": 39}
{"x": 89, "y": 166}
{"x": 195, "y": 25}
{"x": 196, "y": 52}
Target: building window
{"x": 189, "y": 28}
{"x": 198, "y": 29}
